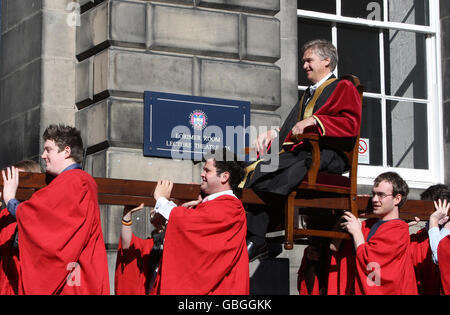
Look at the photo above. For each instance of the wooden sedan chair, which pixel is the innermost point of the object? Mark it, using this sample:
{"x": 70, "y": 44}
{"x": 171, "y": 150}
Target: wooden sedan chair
{"x": 324, "y": 191}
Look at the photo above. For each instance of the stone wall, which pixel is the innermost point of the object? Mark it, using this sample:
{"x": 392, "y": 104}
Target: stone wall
{"x": 223, "y": 49}
{"x": 20, "y": 84}
{"x": 37, "y": 74}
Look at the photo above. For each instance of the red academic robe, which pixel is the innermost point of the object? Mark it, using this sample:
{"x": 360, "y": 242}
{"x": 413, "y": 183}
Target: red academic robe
{"x": 205, "y": 250}
{"x": 60, "y": 238}
{"x": 383, "y": 263}
{"x": 340, "y": 116}
{"x": 132, "y": 267}
{"x": 427, "y": 273}
{"x": 9, "y": 256}
{"x": 301, "y": 278}
{"x": 340, "y": 273}
{"x": 444, "y": 263}
{"x": 342, "y": 270}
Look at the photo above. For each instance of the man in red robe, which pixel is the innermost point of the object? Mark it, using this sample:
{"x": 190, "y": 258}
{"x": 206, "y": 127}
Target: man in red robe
{"x": 329, "y": 270}
{"x": 438, "y": 234}
{"x": 330, "y": 107}
{"x": 9, "y": 255}
{"x": 9, "y": 251}
{"x": 383, "y": 258}
{"x": 427, "y": 272}
{"x": 444, "y": 263}
{"x": 60, "y": 238}
{"x": 138, "y": 259}
{"x": 205, "y": 241}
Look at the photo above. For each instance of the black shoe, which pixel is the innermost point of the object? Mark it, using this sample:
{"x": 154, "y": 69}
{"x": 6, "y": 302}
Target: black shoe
{"x": 257, "y": 252}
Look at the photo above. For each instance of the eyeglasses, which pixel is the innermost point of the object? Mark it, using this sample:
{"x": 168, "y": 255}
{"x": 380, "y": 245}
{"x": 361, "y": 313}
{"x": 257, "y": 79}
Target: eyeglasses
{"x": 380, "y": 194}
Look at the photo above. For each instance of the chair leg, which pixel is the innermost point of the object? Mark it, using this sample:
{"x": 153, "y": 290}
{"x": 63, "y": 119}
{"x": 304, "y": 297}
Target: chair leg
{"x": 289, "y": 221}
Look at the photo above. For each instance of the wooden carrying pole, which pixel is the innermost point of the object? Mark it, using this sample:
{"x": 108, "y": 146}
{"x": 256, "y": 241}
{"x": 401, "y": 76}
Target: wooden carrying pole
{"x": 133, "y": 192}
{"x": 121, "y": 191}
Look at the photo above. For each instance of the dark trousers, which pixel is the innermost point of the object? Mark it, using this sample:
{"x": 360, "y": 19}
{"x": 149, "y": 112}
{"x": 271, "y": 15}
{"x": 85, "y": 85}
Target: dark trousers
{"x": 274, "y": 187}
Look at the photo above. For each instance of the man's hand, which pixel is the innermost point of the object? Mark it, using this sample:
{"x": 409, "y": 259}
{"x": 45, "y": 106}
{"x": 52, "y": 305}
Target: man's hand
{"x": 163, "y": 189}
{"x": 299, "y": 127}
{"x": 129, "y": 210}
{"x": 352, "y": 225}
{"x": 10, "y": 183}
{"x": 415, "y": 222}
{"x": 193, "y": 203}
{"x": 440, "y": 216}
{"x": 262, "y": 142}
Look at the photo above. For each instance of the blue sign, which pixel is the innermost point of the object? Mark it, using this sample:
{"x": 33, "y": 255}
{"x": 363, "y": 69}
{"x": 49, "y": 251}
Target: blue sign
{"x": 186, "y": 127}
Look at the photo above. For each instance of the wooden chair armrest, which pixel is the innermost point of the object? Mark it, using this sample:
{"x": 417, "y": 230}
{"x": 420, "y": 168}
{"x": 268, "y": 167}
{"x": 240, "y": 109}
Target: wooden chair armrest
{"x": 305, "y": 137}
{"x": 313, "y": 140}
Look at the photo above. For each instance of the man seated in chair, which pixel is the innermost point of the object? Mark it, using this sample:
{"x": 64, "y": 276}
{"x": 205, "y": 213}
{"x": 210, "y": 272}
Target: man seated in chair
{"x": 329, "y": 107}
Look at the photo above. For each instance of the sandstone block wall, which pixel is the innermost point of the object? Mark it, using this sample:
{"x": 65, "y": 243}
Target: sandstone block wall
{"x": 224, "y": 49}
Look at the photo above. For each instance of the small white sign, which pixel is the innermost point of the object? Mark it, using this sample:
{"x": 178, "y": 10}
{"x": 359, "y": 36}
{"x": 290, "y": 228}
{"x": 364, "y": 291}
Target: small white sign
{"x": 364, "y": 151}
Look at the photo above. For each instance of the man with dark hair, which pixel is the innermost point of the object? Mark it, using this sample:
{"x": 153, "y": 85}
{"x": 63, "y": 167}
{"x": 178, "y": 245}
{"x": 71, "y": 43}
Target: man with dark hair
{"x": 329, "y": 107}
{"x": 383, "y": 258}
{"x": 59, "y": 230}
{"x": 439, "y": 237}
{"x": 436, "y": 192}
{"x": 205, "y": 246}
{"x": 64, "y": 136}
{"x": 9, "y": 251}
{"x": 427, "y": 273}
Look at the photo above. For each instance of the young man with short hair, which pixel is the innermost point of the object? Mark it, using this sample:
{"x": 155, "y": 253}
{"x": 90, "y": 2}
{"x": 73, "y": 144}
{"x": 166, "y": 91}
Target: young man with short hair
{"x": 60, "y": 238}
{"x": 383, "y": 258}
{"x": 205, "y": 241}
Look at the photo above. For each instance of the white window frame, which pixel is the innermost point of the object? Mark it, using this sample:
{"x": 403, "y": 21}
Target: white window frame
{"x": 414, "y": 177}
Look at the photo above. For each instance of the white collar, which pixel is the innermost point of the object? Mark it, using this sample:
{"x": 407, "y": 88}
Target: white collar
{"x": 315, "y": 86}
{"x": 218, "y": 194}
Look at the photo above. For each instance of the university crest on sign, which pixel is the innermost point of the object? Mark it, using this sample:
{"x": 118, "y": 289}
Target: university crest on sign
{"x": 198, "y": 120}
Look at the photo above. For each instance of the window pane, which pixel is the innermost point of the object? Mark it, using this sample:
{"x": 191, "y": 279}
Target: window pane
{"x": 409, "y": 11}
{"x": 365, "y": 9}
{"x": 407, "y": 135}
{"x": 371, "y": 130}
{"x": 405, "y": 64}
{"x": 324, "y": 6}
{"x": 309, "y": 30}
{"x": 359, "y": 54}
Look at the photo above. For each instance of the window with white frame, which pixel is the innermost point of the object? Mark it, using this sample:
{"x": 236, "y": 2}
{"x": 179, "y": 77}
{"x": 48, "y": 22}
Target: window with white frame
{"x": 393, "y": 47}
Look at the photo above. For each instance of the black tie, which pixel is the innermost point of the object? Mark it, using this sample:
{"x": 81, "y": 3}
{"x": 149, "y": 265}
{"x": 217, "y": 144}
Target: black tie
{"x": 309, "y": 94}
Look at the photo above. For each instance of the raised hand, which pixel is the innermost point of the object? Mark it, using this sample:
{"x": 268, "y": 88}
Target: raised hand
{"x": 10, "y": 183}
{"x": 163, "y": 189}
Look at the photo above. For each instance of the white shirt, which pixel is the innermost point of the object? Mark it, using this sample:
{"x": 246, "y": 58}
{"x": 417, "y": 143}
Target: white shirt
{"x": 435, "y": 235}
{"x": 164, "y": 207}
{"x": 315, "y": 86}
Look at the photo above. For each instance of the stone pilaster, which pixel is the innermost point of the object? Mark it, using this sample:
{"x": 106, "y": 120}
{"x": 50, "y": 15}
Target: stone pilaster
{"x": 224, "y": 49}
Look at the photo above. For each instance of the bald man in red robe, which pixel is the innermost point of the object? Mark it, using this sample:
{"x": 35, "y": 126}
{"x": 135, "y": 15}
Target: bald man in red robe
{"x": 60, "y": 239}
